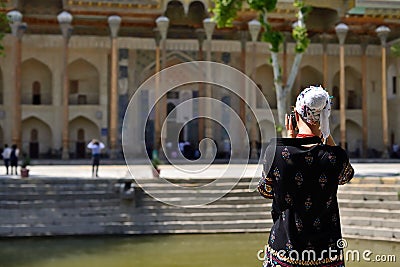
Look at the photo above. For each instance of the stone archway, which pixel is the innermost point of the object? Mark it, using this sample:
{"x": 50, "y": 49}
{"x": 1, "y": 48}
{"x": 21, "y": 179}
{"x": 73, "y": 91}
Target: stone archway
{"x": 36, "y": 137}
{"x": 353, "y": 87}
{"x": 36, "y": 84}
{"x": 81, "y": 131}
{"x": 196, "y": 14}
{"x": 353, "y": 137}
{"x": 83, "y": 83}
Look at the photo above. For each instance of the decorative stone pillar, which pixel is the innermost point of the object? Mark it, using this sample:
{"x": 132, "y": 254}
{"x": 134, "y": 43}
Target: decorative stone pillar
{"x": 383, "y": 32}
{"x": 364, "y": 44}
{"x": 341, "y": 31}
{"x": 65, "y": 19}
{"x": 162, "y": 25}
{"x": 254, "y": 29}
{"x": 18, "y": 29}
{"x": 209, "y": 26}
{"x": 114, "y": 23}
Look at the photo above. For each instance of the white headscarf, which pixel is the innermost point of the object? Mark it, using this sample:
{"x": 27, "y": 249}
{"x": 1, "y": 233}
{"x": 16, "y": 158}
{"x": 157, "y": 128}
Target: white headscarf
{"x": 313, "y": 105}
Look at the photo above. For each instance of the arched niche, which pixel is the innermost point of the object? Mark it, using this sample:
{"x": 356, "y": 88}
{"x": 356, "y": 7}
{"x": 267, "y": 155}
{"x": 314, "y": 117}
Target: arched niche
{"x": 37, "y": 137}
{"x": 196, "y": 14}
{"x": 36, "y": 84}
{"x": 353, "y": 137}
{"x": 81, "y": 131}
{"x": 83, "y": 83}
{"x": 264, "y": 78}
{"x": 353, "y": 87}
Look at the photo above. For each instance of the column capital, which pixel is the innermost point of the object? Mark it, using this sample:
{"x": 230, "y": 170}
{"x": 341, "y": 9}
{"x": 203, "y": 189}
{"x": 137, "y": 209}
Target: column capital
{"x": 114, "y": 23}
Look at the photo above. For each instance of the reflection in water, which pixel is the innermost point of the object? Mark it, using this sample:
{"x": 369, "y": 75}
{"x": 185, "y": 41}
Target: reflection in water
{"x": 205, "y": 250}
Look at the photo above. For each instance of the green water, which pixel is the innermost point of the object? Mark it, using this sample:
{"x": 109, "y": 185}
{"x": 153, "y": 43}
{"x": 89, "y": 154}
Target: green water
{"x": 205, "y": 250}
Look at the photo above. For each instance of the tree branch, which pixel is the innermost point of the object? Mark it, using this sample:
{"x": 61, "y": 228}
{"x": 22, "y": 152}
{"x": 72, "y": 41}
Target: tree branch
{"x": 293, "y": 73}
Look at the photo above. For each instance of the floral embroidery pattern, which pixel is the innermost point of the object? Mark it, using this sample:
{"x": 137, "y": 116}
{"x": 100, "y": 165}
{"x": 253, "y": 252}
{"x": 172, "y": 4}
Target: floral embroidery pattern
{"x": 308, "y": 204}
{"x": 329, "y": 202}
{"x": 309, "y": 158}
{"x": 265, "y": 186}
{"x": 289, "y": 199}
{"x": 323, "y": 180}
{"x": 289, "y": 245}
{"x": 268, "y": 188}
{"x": 299, "y": 224}
{"x": 272, "y": 237}
{"x": 277, "y": 174}
{"x": 299, "y": 179}
{"x": 346, "y": 174}
{"x": 317, "y": 223}
{"x": 269, "y": 179}
{"x": 332, "y": 158}
{"x": 286, "y": 154}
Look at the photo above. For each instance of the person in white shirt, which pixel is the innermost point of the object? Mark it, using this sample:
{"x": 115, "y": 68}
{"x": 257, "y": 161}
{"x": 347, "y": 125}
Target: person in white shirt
{"x": 14, "y": 158}
{"x": 96, "y": 147}
{"x": 6, "y": 157}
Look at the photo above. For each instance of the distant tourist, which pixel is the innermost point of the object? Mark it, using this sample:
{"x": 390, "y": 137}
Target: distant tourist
{"x": 6, "y": 157}
{"x": 96, "y": 147}
{"x": 395, "y": 151}
{"x": 14, "y": 159}
{"x": 301, "y": 174}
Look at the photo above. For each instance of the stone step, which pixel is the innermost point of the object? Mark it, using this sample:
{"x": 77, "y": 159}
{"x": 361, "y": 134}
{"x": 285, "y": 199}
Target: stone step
{"x": 360, "y": 195}
{"x": 188, "y": 201}
{"x": 57, "y": 204}
{"x": 59, "y": 196}
{"x": 368, "y": 195}
{"x": 138, "y": 228}
{"x": 262, "y": 208}
{"x": 370, "y": 187}
{"x": 370, "y": 213}
{"x": 369, "y": 204}
{"x": 166, "y": 226}
{"x": 79, "y": 216}
{"x": 198, "y": 231}
{"x": 371, "y": 231}
{"x": 370, "y": 221}
{"x": 246, "y": 187}
{"x": 376, "y": 180}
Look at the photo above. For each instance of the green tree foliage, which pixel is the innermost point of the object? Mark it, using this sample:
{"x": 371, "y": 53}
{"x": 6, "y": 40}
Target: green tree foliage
{"x": 395, "y": 49}
{"x": 225, "y": 11}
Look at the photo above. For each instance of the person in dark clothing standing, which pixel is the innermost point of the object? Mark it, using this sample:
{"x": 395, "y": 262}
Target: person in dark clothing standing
{"x": 14, "y": 159}
{"x": 301, "y": 174}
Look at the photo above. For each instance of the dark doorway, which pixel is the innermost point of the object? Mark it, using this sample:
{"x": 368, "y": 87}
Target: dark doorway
{"x": 80, "y": 144}
{"x": 36, "y": 98}
{"x": 34, "y": 144}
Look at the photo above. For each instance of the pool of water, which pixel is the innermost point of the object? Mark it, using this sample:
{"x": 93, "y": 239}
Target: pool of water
{"x": 203, "y": 250}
